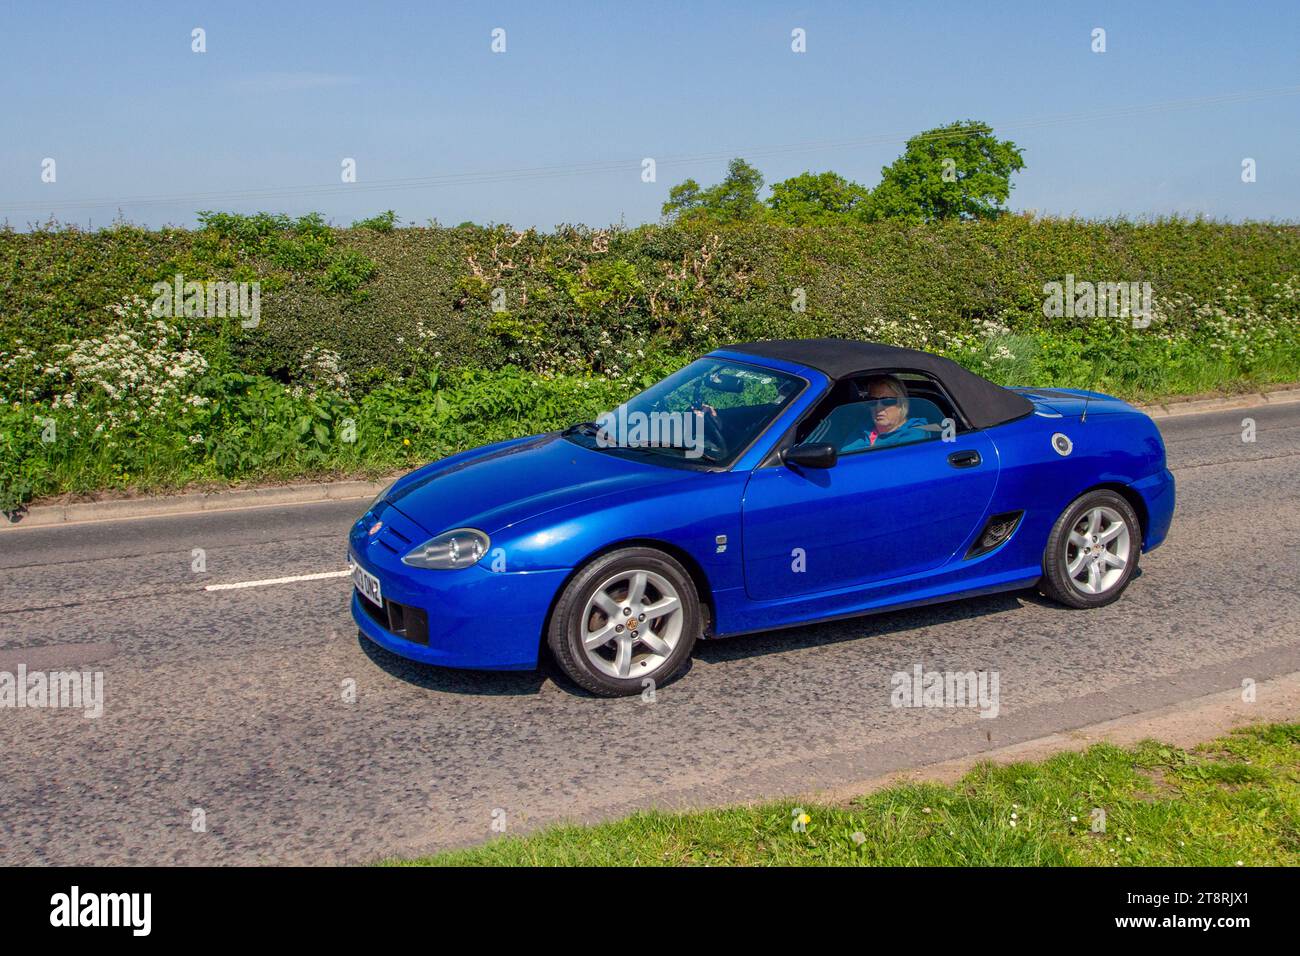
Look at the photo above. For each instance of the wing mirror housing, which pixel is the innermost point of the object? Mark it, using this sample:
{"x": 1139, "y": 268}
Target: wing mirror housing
{"x": 811, "y": 455}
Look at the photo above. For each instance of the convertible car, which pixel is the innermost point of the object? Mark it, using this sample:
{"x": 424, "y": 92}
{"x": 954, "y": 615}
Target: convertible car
{"x": 765, "y": 485}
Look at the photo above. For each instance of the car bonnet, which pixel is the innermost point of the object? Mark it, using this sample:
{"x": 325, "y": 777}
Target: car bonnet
{"x": 502, "y": 486}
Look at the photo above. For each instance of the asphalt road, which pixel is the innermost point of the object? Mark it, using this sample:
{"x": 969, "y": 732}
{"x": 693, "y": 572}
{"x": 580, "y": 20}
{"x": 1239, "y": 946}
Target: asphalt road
{"x": 234, "y": 702}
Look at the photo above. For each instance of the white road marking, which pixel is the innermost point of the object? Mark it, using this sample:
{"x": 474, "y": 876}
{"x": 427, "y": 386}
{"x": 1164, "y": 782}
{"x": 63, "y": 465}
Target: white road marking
{"x": 289, "y": 580}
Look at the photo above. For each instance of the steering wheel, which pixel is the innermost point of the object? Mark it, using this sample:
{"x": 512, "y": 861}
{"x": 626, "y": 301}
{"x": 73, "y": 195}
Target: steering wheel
{"x": 715, "y": 442}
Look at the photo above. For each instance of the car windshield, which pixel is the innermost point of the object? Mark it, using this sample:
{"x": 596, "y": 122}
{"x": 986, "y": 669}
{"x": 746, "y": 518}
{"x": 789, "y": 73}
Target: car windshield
{"x": 702, "y": 416}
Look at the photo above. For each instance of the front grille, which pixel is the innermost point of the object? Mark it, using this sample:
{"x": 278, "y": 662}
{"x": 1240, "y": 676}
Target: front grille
{"x": 400, "y": 620}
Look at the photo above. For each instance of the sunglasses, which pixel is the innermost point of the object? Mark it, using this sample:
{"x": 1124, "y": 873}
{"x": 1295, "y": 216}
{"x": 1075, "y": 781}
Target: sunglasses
{"x": 886, "y": 402}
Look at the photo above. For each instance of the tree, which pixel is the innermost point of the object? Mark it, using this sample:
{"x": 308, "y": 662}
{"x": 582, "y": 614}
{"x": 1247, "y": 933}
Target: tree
{"x": 733, "y": 200}
{"x": 817, "y": 198}
{"x": 959, "y": 171}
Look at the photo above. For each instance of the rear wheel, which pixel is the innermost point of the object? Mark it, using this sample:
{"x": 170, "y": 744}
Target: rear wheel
{"x": 628, "y": 616}
{"x": 1092, "y": 551}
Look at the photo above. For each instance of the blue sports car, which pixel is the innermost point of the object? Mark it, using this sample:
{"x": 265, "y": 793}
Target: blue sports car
{"x": 762, "y": 486}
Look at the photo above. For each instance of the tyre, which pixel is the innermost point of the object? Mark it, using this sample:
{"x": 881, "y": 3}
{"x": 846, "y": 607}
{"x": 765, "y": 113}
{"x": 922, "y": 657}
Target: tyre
{"x": 1093, "y": 551}
{"x": 627, "y": 616}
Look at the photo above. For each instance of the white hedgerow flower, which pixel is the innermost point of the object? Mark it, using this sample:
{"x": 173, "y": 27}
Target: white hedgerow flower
{"x": 140, "y": 366}
{"x": 322, "y": 368}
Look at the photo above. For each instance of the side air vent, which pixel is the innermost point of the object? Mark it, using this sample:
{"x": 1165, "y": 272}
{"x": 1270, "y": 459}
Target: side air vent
{"x": 997, "y": 531}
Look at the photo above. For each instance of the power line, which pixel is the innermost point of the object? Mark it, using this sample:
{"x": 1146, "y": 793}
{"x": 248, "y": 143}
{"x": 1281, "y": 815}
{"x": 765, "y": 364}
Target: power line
{"x": 527, "y": 174}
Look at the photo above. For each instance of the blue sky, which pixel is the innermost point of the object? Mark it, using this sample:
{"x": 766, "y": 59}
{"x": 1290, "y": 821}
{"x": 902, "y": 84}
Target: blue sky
{"x": 285, "y": 91}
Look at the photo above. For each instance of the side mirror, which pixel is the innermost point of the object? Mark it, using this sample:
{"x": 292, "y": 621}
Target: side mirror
{"x": 811, "y": 455}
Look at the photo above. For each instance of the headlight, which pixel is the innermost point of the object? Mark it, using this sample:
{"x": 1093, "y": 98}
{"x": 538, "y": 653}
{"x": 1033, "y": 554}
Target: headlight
{"x": 458, "y": 548}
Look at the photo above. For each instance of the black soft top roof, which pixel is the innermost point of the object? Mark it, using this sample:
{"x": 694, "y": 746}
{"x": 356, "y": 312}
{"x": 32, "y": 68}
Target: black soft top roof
{"x": 983, "y": 403}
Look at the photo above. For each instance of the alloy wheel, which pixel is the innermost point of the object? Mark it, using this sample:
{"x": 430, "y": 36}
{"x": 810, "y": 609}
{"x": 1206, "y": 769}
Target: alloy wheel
{"x": 632, "y": 623}
{"x": 1097, "y": 550}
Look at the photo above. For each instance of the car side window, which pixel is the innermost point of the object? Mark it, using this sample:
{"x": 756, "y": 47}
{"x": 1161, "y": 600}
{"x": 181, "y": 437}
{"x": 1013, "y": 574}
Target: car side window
{"x": 852, "y": 422}
{"x": 853, "y": 427}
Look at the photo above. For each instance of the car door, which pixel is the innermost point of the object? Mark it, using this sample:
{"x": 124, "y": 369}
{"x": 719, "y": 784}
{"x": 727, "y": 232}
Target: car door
{"x": 871, "y": 517}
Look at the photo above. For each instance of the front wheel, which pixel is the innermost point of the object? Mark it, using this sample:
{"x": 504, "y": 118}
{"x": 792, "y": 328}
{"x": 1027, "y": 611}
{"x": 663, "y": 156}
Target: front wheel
{"x": 627, "y": 617}
{"x": 1093, "y": 551}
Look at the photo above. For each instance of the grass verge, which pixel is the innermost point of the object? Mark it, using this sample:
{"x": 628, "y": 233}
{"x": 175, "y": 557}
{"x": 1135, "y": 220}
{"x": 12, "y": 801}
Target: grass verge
{"x": 1233, "y": 801}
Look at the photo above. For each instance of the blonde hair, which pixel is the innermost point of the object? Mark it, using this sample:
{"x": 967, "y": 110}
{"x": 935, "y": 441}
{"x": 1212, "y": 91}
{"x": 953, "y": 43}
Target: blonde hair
{"x": 894, "y": 384}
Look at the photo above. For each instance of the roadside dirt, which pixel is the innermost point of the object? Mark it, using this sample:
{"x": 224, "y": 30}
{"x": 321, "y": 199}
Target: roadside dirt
{"x": 1183, "y": 725}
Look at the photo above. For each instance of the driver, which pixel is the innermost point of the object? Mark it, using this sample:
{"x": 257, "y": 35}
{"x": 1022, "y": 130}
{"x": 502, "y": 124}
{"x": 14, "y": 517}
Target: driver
{"x": 889, "y": 425}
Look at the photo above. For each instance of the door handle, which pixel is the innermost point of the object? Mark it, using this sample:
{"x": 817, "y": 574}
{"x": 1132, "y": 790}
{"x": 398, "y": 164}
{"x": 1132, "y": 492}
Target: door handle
{"x": 964, "y": 459}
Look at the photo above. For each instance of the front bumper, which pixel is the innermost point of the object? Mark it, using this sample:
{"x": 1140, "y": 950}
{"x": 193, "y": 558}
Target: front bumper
{"x": 473, "y": 618}
{"x": 1158, "y": 495}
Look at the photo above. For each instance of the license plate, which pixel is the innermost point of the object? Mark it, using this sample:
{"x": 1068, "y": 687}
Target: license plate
{"x": 367, "y": 584}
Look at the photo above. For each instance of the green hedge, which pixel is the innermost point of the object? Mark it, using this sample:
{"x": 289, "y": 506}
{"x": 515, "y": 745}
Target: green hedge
{"x": 393, "y": 302}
